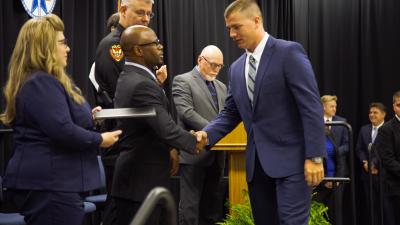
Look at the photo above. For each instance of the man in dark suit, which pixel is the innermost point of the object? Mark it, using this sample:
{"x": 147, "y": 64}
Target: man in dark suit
{"x": 274, "y": 92}
{"x": 339, "y": 133}
{"x": 144, "y": 160}
{"x": 199, "y": 96}
{"x": 387, "y": 144}
{"x": 368, "y": 160}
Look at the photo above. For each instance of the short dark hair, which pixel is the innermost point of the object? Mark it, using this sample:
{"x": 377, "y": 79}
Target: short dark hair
{"x": 250, "y": 6}
{"x": 378, "y": 105}
{"x": 396, "y": 95}
{"x": 112, "y": 21}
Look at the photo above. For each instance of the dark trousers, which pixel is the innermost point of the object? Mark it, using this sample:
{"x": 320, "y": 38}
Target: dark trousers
{"x": 48, "y": 207}
{"x": 277, "y": 201}
{"x": 333, "y": 199}
{"x": 199, "y": 188}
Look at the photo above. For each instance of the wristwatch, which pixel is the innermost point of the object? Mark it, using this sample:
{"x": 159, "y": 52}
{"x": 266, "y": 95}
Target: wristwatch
{"x": 317, "y": 160}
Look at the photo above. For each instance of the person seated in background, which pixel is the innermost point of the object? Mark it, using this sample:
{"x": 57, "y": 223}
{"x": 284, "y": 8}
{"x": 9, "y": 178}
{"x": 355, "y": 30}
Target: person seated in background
{"x": 54, "y": 159}
{"x": 370, "y": 169}
{"x": 334, "y": 166}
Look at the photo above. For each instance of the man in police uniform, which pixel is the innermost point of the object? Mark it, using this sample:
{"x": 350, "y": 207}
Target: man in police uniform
{"x": 109, "y": 56}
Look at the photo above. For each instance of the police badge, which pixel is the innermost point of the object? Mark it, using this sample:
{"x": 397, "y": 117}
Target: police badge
{"x": 38, "y": 8}
{"x": 116, "y": 52}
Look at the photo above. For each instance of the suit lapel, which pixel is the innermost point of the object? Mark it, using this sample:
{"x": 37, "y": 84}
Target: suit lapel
{"x": 263, "y": 66}
{"x": 200, "y": 82}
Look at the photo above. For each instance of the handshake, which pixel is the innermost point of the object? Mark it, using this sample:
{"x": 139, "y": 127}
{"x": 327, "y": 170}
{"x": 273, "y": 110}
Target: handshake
{"x": 202, "y": 140}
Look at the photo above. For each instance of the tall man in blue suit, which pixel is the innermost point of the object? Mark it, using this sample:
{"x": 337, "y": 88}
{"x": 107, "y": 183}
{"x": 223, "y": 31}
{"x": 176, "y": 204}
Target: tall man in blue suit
{"x": 274, "y": 92}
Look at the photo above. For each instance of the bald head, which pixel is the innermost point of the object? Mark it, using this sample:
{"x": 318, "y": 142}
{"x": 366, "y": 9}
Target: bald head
{"x": 141, "y": 45}
{"x": 210, "y": 62}
{"x": 132, "y": 36}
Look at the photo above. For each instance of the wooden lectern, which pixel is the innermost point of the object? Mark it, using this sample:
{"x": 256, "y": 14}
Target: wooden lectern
{"x": 235, "y": 145}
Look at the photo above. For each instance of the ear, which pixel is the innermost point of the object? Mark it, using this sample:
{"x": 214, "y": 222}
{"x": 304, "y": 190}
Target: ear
{"x": 198, "y": 59}
{"x": 123, "y": 9}
{"x": 258, "y": 20}
{"x": 137, "y": 50}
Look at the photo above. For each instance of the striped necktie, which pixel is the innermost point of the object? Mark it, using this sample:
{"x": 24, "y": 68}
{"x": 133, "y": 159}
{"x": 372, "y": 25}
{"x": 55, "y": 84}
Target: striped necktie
{"x": 252, "y": 78}
{"x": 213, "y": 93}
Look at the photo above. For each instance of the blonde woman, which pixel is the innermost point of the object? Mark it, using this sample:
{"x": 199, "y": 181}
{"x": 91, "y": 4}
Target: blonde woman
{"x": 55, "y": 148}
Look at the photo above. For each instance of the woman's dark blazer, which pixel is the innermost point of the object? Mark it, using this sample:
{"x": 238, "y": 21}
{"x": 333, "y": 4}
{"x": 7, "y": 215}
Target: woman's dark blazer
{"x": 55, "y": 148}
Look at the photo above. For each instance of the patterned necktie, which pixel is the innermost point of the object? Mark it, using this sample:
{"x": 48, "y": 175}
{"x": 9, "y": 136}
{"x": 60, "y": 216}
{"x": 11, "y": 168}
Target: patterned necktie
{"x": 373, "y": 134}
{"x": 252, "y": 78}
{"x": 213, "y": 93}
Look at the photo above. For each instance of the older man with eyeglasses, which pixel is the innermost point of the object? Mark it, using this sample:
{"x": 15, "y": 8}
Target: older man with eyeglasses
{"x": 199, "y": 97}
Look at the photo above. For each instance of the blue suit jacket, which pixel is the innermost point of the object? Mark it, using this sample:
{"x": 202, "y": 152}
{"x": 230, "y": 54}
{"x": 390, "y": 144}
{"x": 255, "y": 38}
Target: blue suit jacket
{"x": 54, "y": 146}
{"x": 340, "y": 135}
{"x": 286, "y": 125}
{"x": 364, "y": 139}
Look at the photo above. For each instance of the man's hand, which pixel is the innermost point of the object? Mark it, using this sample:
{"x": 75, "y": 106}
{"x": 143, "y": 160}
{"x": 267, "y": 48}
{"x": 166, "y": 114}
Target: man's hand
{"x": 162, "y": 74}
{"x": 202, "y": 140}
{"x": 313, "y": 172}
{"x": 174, "y": 161}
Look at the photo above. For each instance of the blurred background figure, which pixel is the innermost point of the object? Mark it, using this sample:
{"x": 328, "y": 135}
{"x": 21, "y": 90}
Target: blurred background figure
{"x": 369, "y": 169}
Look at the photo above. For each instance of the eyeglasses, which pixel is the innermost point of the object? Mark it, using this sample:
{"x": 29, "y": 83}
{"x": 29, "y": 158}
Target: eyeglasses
{"x": 63, "y": 42}
{"x": 213, "y": 65}
{"x": 157, "y": 42}
{"x": 142, "y": 13}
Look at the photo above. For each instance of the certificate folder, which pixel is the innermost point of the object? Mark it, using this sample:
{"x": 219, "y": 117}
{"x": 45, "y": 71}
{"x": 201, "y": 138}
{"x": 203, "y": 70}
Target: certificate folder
{"x": 125, "y": 113}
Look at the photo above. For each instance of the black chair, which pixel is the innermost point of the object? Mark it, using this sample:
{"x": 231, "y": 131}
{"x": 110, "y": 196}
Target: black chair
{"x": 9, "y": 218}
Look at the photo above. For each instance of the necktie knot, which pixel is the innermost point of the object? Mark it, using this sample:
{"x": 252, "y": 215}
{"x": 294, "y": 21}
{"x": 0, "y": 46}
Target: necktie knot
{"x": 252, "y": 60}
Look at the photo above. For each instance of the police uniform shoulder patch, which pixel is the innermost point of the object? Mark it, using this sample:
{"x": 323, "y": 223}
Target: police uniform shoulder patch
{"x": 116, "y": 52}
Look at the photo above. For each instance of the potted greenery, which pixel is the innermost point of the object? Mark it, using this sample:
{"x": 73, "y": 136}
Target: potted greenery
{"x": 240, "y": 214}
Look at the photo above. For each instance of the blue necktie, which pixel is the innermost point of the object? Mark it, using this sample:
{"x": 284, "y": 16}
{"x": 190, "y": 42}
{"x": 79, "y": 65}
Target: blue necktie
{"x": 213, "y": 93}
{"x": 373, "y": 134}
{"x": 252, "y": 78}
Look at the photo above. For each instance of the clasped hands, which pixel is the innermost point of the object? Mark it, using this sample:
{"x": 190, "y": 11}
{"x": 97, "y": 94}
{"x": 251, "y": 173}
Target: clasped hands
{"x": 201, "y": 140}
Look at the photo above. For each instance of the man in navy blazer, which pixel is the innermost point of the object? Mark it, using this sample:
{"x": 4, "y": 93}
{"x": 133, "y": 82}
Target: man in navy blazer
{"x": 369, "y": 164}
{"x": 274, "y": 92}
{"x": 339, "y": 133}
{"x": 387, "y": 146}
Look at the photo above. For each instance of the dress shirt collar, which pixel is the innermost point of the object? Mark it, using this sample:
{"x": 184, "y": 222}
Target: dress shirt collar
{"x": 328, "y": 119}
{"x": 398, "y": 118}
{"x": 377, "y": 127}
{"x": 257, "y": 53}
{"x": 142, "y": 67}
{"x": 197, "y": 69}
